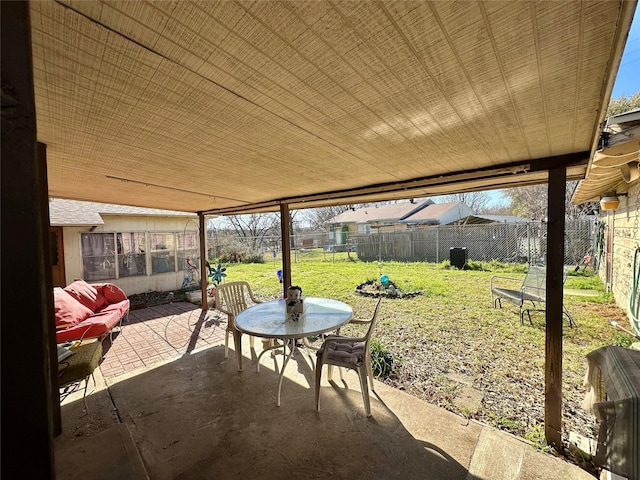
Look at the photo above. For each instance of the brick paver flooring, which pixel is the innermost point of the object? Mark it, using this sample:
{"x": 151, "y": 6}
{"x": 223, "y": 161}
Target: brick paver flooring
{"x": 159, "y": 333}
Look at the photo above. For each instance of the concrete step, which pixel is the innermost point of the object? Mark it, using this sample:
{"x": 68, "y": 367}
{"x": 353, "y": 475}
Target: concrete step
{"x": 108, "y": 454}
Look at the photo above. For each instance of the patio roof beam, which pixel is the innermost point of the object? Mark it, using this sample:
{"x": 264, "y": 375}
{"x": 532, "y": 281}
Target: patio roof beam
{"x": 203, "y": 261}
{"x": 553, "y": 313}
{"x": 29, "y": 387}
{"x": 285, "y": 229}
{"x": 485, "y": 176}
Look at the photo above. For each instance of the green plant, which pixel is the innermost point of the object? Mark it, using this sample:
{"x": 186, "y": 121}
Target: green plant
{"x": 507, "y": 423}
{"x": 535, "y": 434}
{"x": 253, "y": 257}
{"x": 466, "y": 412}
{"x": 383, "y": 362}
{"x": 473, "y": 265}
{"x": 622, "y": 339}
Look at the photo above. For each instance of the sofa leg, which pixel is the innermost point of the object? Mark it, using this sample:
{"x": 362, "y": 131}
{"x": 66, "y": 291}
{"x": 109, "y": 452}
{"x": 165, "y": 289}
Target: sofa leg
{"x": 84, "y": 396}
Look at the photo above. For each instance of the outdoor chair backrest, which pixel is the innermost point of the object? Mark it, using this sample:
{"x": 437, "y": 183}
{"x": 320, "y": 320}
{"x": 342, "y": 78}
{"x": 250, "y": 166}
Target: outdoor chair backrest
{"x": 349, "y": 352}
{"x": 535, "y": 281}
{"x": 232, "y": 298}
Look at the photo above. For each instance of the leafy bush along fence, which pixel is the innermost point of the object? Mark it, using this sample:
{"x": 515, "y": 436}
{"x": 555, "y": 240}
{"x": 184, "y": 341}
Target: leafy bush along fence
{"x": 521, "y": 242}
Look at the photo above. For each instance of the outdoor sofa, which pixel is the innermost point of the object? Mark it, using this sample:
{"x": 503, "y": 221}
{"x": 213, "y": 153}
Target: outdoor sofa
{"x": 88, "y": 311}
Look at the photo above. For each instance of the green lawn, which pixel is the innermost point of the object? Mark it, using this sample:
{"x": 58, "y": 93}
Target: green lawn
{"x": 451, "y": 343}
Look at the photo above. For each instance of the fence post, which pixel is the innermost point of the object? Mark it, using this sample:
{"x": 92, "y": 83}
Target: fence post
{"x": 437, "y": 243}
{"x": 529, "y": 242}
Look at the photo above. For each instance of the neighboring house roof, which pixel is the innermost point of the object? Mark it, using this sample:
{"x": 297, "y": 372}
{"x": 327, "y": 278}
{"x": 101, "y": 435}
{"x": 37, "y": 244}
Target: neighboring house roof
{"x": 434, "y": 213}
{"x": 393, "y": 212}
{"x": 77, "y": 213}
{"x": 475, "y": 219}
{"x": 614, "y": 167}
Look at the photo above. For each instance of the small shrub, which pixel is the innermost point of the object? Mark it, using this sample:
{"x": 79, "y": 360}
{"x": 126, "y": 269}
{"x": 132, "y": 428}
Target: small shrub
{"x": 232, "y": 257}
{"x": 383, "y": 362}
{"x": 253, "y": 257}
{"x": 473, "y": 265}
{"x": 536, "y": 436}
{"x": 622, "y": 339}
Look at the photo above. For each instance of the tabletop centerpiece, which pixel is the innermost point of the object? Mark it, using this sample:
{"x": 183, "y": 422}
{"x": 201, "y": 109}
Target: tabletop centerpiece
{"x": 295, "y": 304}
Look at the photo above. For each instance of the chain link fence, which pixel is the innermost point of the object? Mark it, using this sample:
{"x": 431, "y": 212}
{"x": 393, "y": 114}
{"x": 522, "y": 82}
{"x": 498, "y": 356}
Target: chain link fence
{"x": 520, "y": 242}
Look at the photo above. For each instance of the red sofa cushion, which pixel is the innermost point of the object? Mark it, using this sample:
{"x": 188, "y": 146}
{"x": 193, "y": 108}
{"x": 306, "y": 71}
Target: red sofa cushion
{"x": 120, "y": 307}
{"x": 68, "y": 310}
{"x": 96, "y": 325}
{"x": 112, "y": 293}
{"x": 87, "y": 295}
{"x": 111, "y": 305}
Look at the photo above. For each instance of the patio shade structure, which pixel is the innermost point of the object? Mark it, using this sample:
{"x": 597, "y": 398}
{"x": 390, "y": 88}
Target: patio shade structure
{"x": 237, "y": 107}
{"x": 232, "y": 107}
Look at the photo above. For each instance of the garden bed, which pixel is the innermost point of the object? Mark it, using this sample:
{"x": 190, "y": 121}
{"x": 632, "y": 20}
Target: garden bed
{"x": 150, "y": 299}
{"x": 373, "y": 288}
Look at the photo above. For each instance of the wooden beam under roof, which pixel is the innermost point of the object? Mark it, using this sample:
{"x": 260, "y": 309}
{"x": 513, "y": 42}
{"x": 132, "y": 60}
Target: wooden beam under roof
{"x": 502, "y": 176}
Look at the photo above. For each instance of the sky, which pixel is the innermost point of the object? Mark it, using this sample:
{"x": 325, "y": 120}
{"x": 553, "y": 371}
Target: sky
{"x": 628, "y": 79}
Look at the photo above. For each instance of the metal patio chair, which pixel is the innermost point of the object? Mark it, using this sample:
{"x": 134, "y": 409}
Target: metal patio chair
{"x": 529, "y": 295}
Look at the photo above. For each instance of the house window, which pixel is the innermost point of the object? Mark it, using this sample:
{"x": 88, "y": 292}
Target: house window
{"x": 188, "y": 247}
{"x": 364, "y": 228}
{"x": 132, "y": 254}
{"x": 98, "y": 256}
{"x": 163, "y": 252}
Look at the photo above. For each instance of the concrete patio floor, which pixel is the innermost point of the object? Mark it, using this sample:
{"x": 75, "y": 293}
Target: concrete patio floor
{"x": 187, "y": 413}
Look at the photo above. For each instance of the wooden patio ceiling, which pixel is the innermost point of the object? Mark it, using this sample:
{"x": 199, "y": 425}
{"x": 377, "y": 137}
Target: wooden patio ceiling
{"x": 225, "y": 107}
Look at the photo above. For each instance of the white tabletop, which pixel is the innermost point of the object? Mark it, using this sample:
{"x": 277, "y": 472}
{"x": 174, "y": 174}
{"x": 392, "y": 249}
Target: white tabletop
{"x": 270, "y": 320}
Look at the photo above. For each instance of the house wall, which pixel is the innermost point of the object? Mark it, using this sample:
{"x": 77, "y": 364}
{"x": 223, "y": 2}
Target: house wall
{"x": 128, "y": 223}
{"x": 455, "y": 214}
{"x": 623, "y": 227}
{"x": 335, "y": 232}
{"x": 388, "y": 227}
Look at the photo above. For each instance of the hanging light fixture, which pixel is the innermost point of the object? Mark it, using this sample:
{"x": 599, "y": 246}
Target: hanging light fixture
{"x": 609, "y": 201}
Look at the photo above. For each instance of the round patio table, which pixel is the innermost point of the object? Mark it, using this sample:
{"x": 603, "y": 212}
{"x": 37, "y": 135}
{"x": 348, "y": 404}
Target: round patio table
{"x": 271, "y": 320}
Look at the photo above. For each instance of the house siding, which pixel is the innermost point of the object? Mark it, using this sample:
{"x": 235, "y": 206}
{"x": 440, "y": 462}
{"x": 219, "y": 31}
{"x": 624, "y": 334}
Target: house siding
{"x": 455, "y": 214}
{"x": 625, "y": 225}
{"x": 127, "y": 223}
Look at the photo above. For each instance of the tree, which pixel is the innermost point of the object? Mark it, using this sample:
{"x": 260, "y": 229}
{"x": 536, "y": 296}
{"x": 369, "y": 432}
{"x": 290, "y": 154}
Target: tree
{"x": 623, "y": 104}
{"x": 476, "y": 201}
{"x": 500, "y": 209}
{"x": 578, "y": 211}
{"x": 253, "y": 228}
{"x": 531, "y": 202}
{"x": 318, "y": 218}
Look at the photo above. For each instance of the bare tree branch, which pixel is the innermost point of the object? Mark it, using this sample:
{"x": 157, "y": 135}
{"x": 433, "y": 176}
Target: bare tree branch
{"x": 476, "y": 201}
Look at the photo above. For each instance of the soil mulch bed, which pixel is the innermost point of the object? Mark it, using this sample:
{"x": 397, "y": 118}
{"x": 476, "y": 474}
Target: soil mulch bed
{"x": 371, "y": 288}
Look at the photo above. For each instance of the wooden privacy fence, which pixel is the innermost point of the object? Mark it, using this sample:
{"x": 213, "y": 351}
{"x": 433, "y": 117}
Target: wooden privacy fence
{"x": 520, "y": 242}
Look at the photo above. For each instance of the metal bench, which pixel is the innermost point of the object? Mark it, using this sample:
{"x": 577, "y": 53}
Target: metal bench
{"x": 532, "y": 290}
